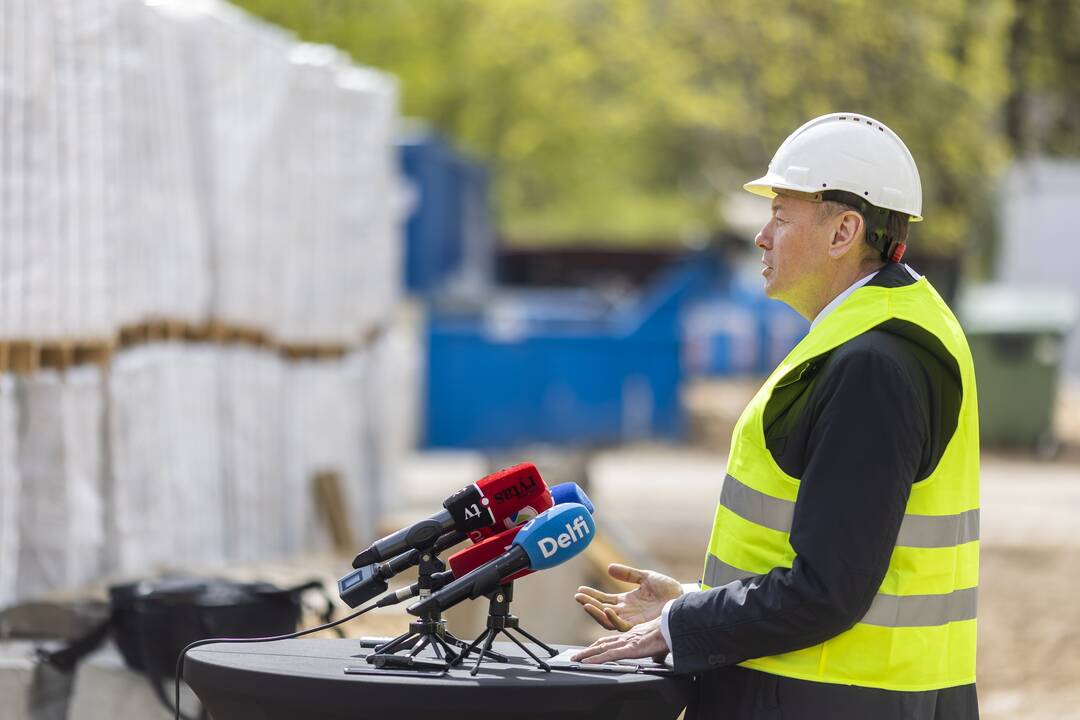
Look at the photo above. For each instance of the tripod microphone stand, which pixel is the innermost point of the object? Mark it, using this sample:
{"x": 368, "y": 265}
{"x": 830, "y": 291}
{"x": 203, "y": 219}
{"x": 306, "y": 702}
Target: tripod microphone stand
{"x": 500, "y": 620}
{"x": 428, "y": 630}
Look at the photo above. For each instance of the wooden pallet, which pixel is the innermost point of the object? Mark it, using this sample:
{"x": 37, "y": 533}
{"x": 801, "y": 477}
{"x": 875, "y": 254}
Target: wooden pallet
{"x": 156, "y": 330}
{"x": 315, "y": 351}
{"x": 25, "y": 357}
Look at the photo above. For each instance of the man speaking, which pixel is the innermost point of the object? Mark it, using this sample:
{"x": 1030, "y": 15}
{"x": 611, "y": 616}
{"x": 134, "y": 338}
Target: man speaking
{"x": 840, "y": 578}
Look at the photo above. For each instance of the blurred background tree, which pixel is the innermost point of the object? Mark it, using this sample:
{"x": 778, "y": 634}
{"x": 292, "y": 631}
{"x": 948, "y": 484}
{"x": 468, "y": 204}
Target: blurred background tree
{"x": 624, "y": 120}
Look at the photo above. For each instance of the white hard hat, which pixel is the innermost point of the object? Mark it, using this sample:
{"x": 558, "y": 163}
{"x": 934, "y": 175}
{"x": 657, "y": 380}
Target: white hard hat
{"x": 849, "y": 152}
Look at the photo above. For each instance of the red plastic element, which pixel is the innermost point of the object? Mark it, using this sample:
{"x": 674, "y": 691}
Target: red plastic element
{"x": 514, "y": 495}
{"x": 898, "y": 252}
{"x": 472, "y": 557}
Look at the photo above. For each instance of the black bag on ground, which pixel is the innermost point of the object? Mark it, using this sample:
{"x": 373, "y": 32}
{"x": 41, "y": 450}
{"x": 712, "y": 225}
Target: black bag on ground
{"x": 152, "y": 621}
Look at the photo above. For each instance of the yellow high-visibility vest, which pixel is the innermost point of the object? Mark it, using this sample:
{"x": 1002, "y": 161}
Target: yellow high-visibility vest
{"x": 919, "y": 633}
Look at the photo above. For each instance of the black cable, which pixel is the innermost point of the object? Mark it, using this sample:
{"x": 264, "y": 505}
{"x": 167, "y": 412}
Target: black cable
{"x": 180, "y": 660}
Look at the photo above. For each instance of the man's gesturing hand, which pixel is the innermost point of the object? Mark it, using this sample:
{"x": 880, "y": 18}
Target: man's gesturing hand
{"x": 625, "y": 610}
{"x": 642, "y": 641}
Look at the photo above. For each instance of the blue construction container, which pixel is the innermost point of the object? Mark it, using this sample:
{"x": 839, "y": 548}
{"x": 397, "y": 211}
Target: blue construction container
{"x": 737, "y": 330}
{"x": 449, "y": 229}
{"x": 562, "y": 366}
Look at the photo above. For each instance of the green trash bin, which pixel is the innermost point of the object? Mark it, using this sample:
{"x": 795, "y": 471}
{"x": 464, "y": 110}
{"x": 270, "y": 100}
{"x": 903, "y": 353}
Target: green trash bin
{"x": 1017, "y": 339}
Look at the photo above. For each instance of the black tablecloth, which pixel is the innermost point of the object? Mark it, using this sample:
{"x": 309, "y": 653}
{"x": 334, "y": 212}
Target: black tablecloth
{"x": 306, "y": 679}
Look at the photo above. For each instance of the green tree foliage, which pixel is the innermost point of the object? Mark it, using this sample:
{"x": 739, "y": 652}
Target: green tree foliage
{"x": 1043, "y": 112}
{"x": 625, "y": 119}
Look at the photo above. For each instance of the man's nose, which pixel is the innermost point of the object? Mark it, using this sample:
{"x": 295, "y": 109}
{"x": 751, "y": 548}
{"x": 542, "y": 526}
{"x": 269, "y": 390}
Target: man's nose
{"x": 763, "y": 240}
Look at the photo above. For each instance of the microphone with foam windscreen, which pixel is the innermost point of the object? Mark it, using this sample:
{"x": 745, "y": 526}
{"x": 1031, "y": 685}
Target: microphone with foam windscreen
{"x": 571, "y": 493}
{"x": 465, "y": 561}
{"x": 552, "y": 538}
{"x": 560, "y": 494}
{"x": 488, "y": 502}
{"x": 468, "y": 559}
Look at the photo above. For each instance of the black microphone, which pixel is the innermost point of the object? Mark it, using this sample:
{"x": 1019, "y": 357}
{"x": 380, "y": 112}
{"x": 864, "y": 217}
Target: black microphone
{"x": 369, "y": 581}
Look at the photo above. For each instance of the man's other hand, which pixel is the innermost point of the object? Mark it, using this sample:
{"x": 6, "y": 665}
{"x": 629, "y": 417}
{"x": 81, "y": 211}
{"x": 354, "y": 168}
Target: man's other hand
{"x": 642, "y": 641}
{"x": 623, "y": 611}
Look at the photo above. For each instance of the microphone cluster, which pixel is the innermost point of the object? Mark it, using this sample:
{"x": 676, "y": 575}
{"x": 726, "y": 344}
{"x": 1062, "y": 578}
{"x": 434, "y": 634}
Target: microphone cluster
{"x": 516, "y": 523}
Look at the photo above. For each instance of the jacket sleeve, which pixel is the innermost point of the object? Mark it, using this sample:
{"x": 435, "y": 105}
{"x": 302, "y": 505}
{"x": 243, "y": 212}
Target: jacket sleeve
{"x": 869, "y": 428}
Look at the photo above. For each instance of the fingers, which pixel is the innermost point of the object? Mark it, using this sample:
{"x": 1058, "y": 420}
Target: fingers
{"x": 625, "y": 573}
{"x": 605, "y": 615}
{"x": 598, "y": 594}
{"x": 645, "y": 641}
{"x": 620, "y": 647}
{"x": 599, "y": 616}
{"x": 600, "y": 646}
{"x": 617, "y": 622}
{"x": 588, "y": 600}
{"x": 625, "y": 652}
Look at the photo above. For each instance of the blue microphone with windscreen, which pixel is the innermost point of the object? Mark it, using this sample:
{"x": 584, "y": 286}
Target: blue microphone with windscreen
{"x": 551, "y": 538}
{"x": 571, "y": 493}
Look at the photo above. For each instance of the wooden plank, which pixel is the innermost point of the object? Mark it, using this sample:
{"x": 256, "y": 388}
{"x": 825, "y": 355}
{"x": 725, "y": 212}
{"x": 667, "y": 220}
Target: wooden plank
{"x": 94, "y": 353}
{"x": 330, "y": 502}
{"x": 25, "y": 357}
{"x": 57, "y": 355}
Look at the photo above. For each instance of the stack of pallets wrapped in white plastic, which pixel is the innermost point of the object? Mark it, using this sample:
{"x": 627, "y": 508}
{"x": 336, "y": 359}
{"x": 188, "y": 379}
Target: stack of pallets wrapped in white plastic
{"x": 217, "y": 207}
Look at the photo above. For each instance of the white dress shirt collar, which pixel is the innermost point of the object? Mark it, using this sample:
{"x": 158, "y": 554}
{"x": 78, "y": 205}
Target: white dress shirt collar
{"x": 835, "y": 303}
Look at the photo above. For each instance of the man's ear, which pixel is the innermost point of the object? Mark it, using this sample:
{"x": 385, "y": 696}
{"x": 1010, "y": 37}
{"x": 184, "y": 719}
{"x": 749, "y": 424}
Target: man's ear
{"x": 847, "y": 234}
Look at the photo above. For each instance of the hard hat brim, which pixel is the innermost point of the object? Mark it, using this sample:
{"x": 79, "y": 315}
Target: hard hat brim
{"x": 764, "y": 185}
{"x": 767, "y": 184}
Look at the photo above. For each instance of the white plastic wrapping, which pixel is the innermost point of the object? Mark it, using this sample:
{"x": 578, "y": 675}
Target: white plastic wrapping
{"x": 324, "y": 431}
{"x": 164, "y": 494}
{"x": 180, "y": 159}
{"x": 10, "y": 488}
{"x": 370, "y": 206}
{"x": 392, "y": 396}
{"x": 254, "y": 498}
{"x": 29, "y": 186}
{"x": 82, "y": 105}
{"x": 159, "y": 258}
{"x": 61, "y": 515}
{"x": 234, "y": 70}
{"x": 99, "y": 219}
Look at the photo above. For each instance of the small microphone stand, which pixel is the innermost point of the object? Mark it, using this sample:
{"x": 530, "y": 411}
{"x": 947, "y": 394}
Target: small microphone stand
{"x": 500, "y": 620}
{"x": 428, "y": 630}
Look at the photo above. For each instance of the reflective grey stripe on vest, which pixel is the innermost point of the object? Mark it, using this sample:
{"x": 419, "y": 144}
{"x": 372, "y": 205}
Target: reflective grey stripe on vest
{"x": 886, "y": 610}
{"x": 718, "y": 572}
{"x": 922, "y": 610}
{"x": 921, "y": 531}
{"x": 756, "y": 506}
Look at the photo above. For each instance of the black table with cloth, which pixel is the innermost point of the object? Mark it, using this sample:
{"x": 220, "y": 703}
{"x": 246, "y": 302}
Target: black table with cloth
{"x": 305, "y": 678}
